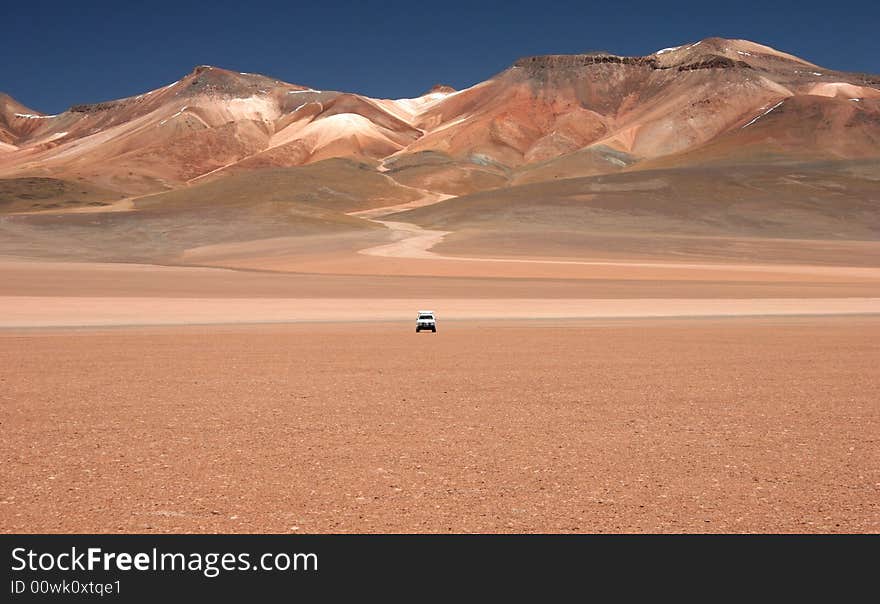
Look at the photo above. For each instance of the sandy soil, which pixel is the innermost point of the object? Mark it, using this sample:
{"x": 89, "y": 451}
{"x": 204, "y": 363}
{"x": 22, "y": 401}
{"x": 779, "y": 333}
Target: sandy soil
{"x": 77, "y": 311}
{"x": 53, "y": 294}
{"x": 76, "y": 279}
{"x": 410, "y": 254}
{"x": 414, "y": 241}
{"x": 427, "y": 198}
{"x": 646, "y": 425}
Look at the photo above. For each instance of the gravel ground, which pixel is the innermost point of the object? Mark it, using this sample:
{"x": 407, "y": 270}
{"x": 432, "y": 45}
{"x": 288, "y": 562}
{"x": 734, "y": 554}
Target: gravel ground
{"x": 709, "y": 425}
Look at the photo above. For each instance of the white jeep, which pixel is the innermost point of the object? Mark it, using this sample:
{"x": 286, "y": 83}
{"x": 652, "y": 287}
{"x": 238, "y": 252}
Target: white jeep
{"x": 426, "y": 321}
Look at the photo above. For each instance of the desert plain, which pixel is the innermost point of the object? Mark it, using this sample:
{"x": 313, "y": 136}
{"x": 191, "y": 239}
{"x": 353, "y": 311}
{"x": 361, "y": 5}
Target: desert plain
{"x": 609, "y": 397}
{"x": 630, "y": 384}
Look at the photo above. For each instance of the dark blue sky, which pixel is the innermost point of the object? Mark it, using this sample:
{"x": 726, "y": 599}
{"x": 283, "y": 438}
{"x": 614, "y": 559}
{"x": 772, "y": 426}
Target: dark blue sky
{"x": 60, "y": 53}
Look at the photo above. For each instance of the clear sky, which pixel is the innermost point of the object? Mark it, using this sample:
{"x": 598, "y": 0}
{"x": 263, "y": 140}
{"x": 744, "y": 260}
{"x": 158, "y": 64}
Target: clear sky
{"x": 60, "y": 53}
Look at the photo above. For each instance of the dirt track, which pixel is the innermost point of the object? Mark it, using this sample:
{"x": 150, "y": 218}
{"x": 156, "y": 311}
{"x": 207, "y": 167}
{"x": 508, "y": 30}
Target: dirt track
{"x": 649, "y": 425}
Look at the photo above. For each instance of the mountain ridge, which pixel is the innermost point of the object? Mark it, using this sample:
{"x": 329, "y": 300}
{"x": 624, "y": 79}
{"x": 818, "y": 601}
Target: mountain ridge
{"x": 543, "y": 108}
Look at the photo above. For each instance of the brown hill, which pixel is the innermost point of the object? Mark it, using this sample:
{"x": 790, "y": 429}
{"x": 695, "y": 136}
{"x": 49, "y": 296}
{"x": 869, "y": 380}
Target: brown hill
{"x": 299, "y": 202}
{"x": 549, "y": 116}
{"x": 209, "y": 120}
{"x": 33, "y": 194}
{"x": 758, "y": 211}
{"x": 670, "y": 102}
{"x": 16, "y": 122}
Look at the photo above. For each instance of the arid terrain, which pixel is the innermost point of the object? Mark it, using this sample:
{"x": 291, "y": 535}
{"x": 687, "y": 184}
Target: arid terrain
{"x": 657, "y": 282}
{"x": 579, "y": 426}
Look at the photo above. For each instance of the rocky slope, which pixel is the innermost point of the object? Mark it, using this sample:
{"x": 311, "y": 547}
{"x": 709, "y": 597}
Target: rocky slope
{"x": 545, "y": 117}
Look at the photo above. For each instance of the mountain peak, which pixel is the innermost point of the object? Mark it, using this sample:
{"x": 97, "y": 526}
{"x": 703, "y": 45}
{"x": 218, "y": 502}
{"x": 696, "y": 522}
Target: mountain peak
{"x": 441, "y": 88}
{"x": 709, "y": 53}
{"x": 742, "y": 51}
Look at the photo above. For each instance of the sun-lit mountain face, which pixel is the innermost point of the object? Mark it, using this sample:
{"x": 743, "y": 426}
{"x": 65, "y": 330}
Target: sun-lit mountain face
{"x": 565, "y": 115}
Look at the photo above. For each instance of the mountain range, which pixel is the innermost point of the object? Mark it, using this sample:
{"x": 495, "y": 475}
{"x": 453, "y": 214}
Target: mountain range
{"x": 591, "y": 113}
{"x": 716, "y": 105}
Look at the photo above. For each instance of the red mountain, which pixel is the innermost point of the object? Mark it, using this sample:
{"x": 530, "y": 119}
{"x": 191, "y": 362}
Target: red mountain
{"x": 544, "y": 117}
